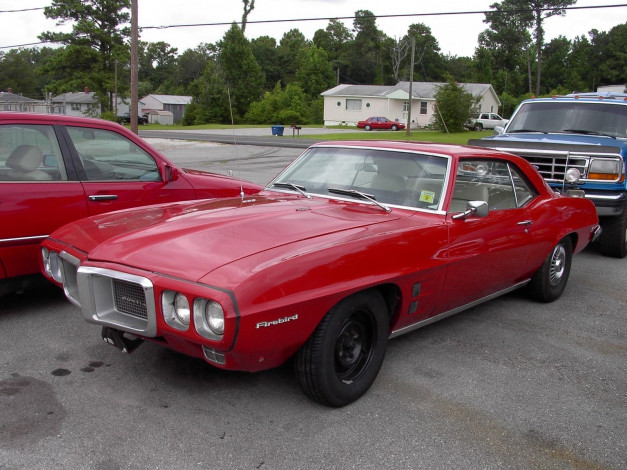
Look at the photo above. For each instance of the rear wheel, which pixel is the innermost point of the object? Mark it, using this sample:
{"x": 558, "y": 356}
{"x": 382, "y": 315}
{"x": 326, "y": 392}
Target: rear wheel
{"x": 550, "y": 280}
{"x": 613, "y": 236}
{"x": 342, "y": 358}
{"x": 478, "y": 126}
{"x": 394, "y": 127}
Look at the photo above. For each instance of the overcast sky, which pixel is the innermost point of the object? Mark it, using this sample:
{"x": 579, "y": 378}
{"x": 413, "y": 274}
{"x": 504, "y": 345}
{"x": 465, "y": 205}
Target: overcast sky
{"x": 456, "y": 34}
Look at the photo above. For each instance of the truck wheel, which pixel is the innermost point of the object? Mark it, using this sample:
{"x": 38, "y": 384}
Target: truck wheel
{"x": 613, "y": 239}
{"x": 478, "y": 126}
{"x": 341, "y": 359}
{"x": 548, "y": 283}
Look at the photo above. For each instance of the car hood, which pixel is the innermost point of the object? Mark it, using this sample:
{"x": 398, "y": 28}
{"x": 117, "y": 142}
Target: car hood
{"x": 532, "y": 139}
{"x": 191, "y": 239}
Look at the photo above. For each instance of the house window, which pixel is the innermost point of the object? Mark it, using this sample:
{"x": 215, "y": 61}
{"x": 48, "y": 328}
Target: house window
{"x": 353, "y": 105}
{"x": 406, "y": 107}
{"x": 423, "y": 107}
{"x": 76, "y": 107}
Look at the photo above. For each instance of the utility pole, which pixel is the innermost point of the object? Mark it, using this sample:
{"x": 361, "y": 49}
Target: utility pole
{"x": 134, "y": 66}
{"x": 411, "y": 86}
{"x": 115, "y": 91}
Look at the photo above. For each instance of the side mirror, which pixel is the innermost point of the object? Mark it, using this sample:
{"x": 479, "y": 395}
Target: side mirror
{"x": 169, "y": 173}
{"x": 498, "y": 130}
{"x": 478, "y": 208}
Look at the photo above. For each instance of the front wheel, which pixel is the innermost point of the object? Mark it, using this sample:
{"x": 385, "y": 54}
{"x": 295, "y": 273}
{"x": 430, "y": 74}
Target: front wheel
{"x": 548, "y": 283}
{"x": 341, "y": 359}
{"x": 394, "y": 127}
{"x": 613, "y": 236}
{"x": 367, "y": 127}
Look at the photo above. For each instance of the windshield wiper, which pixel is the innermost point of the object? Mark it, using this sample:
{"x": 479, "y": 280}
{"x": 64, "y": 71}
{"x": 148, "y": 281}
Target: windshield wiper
{"x": 526, "y": 130}
{"x": 588, "y": 132}
{"x": 296, "y": 187}
{"x": 359, "y": 195}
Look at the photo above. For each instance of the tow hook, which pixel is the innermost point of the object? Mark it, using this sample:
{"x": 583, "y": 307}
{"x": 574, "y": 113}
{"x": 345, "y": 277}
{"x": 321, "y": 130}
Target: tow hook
{"x": 116, "y": 338}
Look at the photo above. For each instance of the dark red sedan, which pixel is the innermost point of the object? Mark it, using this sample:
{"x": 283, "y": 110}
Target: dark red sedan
{"x": 55, "y": 169}
{"x": 377, "y": 122}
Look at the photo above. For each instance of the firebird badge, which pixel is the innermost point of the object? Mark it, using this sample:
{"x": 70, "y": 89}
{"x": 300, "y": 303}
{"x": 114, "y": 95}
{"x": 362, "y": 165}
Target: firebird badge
{"x": 278, "y": 321}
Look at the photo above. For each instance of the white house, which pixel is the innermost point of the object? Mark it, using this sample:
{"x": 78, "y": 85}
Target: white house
{"x": 77, "y": 104}
{"x": 173, "y": 103}
{"x": 12, "y": 102}
{"x": 347, "y": 104}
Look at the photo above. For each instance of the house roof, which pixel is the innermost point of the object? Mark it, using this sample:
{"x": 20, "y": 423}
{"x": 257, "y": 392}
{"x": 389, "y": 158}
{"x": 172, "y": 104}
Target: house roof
{"x": 76, "y": 97}
{"x": 170, "y": 99}
{"x": 6, "y": 97}
{"x": 424, "y": 90}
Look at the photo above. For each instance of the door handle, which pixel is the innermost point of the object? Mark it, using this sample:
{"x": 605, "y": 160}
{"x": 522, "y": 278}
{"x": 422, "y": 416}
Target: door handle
{"x": 103, "y": 197}
{"x": 526, "y": 223}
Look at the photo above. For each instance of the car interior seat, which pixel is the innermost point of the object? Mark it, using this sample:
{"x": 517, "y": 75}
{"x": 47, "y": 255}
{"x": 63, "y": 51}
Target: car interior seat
{"x": 24, "y": 163}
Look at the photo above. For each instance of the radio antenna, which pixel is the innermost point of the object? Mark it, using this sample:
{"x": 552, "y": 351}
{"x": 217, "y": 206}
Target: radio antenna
{"x": 241, "y": 187}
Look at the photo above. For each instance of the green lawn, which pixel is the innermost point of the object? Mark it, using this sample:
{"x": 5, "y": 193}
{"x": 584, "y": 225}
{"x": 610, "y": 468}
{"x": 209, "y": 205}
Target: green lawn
{"x": 460, "y": 138}
{"x": 415, "y": 136}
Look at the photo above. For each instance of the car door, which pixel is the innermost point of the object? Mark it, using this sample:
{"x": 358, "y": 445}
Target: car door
{"x": 117, "y": 173}
{"x": 38, "y": 193}
{"x": 487, "y": 254}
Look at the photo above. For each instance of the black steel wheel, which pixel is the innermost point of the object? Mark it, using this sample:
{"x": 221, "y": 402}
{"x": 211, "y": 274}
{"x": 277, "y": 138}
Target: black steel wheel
{"x": 342, "y": 358}
{"x": 613, "y": 237}
{"x": 550, "y": 280}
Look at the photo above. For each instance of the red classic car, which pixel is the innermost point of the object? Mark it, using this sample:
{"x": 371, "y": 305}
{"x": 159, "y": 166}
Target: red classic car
{"x": 352, "y": 244}
{"x": 55, "y": 169}
{"x": 376, "y": 122}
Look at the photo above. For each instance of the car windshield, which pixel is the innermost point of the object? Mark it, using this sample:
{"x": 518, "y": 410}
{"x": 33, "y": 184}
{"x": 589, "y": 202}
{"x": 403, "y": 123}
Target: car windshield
{"x": 388, "y": 177}
{"x": 577, "y": 117}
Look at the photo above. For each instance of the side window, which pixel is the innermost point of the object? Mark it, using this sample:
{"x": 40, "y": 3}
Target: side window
{"x": 498, "y": 183}
{"x": 109, "y": 156}
{"x": 30, "y": 153}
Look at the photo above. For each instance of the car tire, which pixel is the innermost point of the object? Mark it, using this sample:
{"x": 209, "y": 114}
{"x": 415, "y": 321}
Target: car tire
{"x": 367, "y": 127}
{"x": 613, "y": 236}
{"x": 548, "y": 283}
{"x": 478, "y": 127}
{"x": 341, "y": 359}
{"x": 394, "y": 127}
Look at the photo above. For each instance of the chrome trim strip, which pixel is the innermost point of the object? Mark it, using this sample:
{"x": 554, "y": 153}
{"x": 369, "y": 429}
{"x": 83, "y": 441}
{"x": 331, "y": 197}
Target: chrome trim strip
{"x": 19, "y": 239}
{"x": 606, "y": 197}
{"x": 444, "y": 315}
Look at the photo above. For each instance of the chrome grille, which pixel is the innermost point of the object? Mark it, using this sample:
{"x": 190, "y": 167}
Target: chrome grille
{"x": 553, "y": 167}
{"x": 129, "y": 298}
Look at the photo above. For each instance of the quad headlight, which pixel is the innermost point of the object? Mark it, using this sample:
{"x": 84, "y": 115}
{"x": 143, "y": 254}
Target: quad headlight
{"x": 209, "y": 318}
{"x": 176, "y": 311}
{"x": 208, "y": 314}
{"x": 52, "y": 264}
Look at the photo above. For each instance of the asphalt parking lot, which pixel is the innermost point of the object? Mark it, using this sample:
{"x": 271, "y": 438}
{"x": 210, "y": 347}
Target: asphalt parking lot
{"x": 510, "y": 384}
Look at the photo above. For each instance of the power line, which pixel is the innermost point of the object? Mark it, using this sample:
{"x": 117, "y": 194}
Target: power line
{"x": 21, "y": 10}
{"x": 294, "y": 20}
{"x": 404, "y": 15}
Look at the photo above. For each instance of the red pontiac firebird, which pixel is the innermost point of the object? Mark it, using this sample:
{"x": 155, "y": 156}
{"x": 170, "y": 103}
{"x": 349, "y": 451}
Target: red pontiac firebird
{"x": 352, "y": 244}
{"x": 376, "y": 122}
{"x": 55, "y": 169}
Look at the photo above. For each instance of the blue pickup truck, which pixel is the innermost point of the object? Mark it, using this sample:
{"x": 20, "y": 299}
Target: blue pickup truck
{"x": 578, "y": 143}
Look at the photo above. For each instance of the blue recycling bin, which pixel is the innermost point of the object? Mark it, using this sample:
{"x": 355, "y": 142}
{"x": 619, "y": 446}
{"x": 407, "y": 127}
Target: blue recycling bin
{"x": 278, "y": 130}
